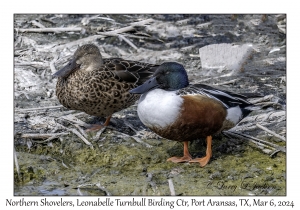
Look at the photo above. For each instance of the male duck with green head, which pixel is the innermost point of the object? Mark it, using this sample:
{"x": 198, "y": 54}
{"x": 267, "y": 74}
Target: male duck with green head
{"x": 175, "y": 110}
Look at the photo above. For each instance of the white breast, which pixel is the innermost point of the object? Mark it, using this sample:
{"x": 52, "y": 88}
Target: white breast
{"x": 159, "y": 108}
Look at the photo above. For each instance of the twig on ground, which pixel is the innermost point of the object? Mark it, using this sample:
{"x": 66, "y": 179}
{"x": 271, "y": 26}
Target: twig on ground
{"x": 128, "y": 41}
{"x": 204, "y": 80}
{"x": 79, "y": 113}
{"x": 39, "y": 108}
{"x": 133, "y": 25}
{"x": 102, "y": 139}
{"x": 227, "y": 82}
{"x": 77, "y": 42}
{"x": 43, "y": 74}
{"x": 81, "y": 130}
{"x": 47, "y": 30}
{"x": 141, "y": 37}
{"x": 38, "y": 24}
{"x": 151, "y": 182}
{"x": 81, "y": 137}
{"x": 47, "y": 20}
{"x": 98, "y": 134}
{"x": 270, "y": 116}
{"x": 73, "y": 130}
{"x": 265, "y": 98}
{"x": 103, "y": 189}
{"x": 33, "y": 64}
{"x": 97, "y": 185}
{"x": 209, "y": 78}
{"x": 24, "y": 93}
{"x": 129, "y": 125}
{"x": 92, "y": 38}
{"x": 64, "y": 165}
{"x": 259, "y": 145}
{"x": 251, "y": 126}
{"x": 86, "y": 20}
{"x": 171, "y": 186}
{"x": 267, "y": 104}
{"x": 137, "y": 139}
{"x": 52, "y": 67}
{"x": 75, "y": 120}
{"x": 189, "y": 48}
{"x": 122, "y": 37}
{"x": 16, "y": 162}
{"x": 41, "y": 136}
{"x": 271, "y": 132}
{"x": 79, "y": 192}
{"x": 274, "y": 153}
{"x": 247, "y": 137}
{"x": 52, "y": 137}
{"x": 67, "y": 112}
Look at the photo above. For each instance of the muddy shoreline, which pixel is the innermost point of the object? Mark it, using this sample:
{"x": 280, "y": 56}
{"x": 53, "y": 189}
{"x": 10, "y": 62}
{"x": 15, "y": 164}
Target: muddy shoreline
{"x": 118, "y": 164}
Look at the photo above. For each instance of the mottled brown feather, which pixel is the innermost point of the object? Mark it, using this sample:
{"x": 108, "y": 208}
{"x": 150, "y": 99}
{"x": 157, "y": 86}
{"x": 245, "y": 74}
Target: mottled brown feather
{"x": 105, "y": 90}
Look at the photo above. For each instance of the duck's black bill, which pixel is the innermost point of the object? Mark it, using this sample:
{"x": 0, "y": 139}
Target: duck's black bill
{"x": 146, "y": 86}
{"x": 67, "y": 70}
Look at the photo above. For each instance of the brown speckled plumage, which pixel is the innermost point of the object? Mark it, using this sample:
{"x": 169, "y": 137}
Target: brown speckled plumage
{"x": 97, "y": 86}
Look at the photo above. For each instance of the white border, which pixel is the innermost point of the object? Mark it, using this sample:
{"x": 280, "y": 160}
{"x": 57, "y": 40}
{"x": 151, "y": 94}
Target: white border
{"x": 153, "y": 6}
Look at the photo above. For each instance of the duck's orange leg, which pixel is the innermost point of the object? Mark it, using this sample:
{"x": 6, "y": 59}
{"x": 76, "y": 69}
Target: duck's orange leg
{"x": 97, "y": 127}
{"x": 203, "y": 161}
{"x": 186, "y": 155}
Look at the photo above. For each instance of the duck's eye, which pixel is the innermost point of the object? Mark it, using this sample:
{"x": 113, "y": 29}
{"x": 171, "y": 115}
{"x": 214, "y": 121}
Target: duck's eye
{"x": 167, "y": 72}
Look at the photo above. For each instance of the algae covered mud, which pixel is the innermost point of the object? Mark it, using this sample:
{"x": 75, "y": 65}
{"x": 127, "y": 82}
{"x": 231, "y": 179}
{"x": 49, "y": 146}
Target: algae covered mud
{"x": 127, "y": 158}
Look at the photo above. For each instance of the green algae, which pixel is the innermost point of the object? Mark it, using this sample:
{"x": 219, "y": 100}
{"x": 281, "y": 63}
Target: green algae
{"x": 125, "y": 167}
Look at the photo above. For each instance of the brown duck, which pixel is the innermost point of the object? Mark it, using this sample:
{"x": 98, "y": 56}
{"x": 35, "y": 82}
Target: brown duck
{"x": 97, "y": 86}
